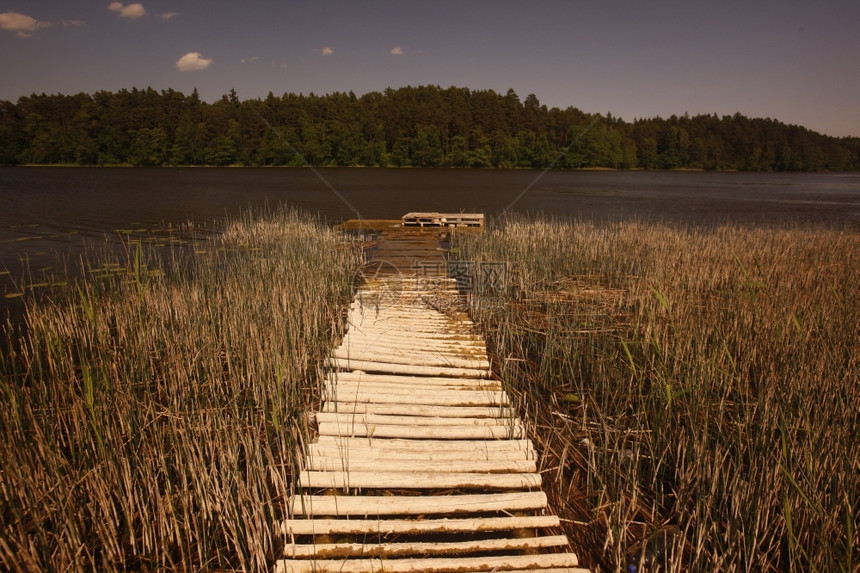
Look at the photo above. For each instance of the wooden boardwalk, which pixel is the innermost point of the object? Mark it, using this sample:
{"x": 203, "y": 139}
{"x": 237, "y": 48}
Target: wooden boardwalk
{"x": 420, "y": 463}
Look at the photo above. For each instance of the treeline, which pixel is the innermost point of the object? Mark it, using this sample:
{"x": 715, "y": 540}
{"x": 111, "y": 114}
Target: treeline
{"x": 425, "y": 126}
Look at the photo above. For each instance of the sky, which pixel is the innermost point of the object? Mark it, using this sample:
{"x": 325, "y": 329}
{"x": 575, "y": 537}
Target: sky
{"x": 796, "y": 62}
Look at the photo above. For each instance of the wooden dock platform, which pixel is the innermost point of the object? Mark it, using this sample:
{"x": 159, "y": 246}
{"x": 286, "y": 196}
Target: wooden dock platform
{"x": 421, "y": 464}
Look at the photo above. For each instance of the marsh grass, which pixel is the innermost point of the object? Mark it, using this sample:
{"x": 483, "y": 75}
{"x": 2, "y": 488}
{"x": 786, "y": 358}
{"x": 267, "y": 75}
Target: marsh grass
{"x": 151, "y": 412}
{"x": 695, "y": 392}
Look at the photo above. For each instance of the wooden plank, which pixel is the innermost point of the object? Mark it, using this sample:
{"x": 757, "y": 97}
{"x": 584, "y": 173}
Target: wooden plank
{"x": 377, "y": 455}
{"x": 410, "y": 358}
{"x": 461, "y": 398}
{"x": 411, "y": 293}
{"x": 413, "y": 329}
{"x": 364, "y": 505}
{"x": 421, "y": 432}
{"x": 442, "y": 343}
{"x": 383, "y": 479}
{"x": 412, "y": 290}
{"x": 416, "y": 333}
{"x": 335, "y": 550}
{"x": 393, "y": 389}
{"x": 407, "y": 285}
{"x": 350, "y": 386}
{"x": 418, "y": 346}
{"x": 381, "y": 310}
{"x": 355, "y": 463}
{"x": 422, "y": 382}
{"x": 419, "y": 409}
{"x": 442, "y": 278}
{"x": 359, "y": 376}
{"x": 376, "y": 311}
{"x": 395, "y": 334}
{"x": 385, "y": 387}
{"x": 376, "y": 419}
{"x": 386, "y": 332}
{"x": 463, "y": 340}
{"x": 367, "y": 366}
{"x": 414, "y": 321}
{"x": 410, "y": 304}
{"x": 413, "y": 527}
{"x": 496, "y": 570}
{"x": 429, "y": 565}
{"x": 394, "y": 444}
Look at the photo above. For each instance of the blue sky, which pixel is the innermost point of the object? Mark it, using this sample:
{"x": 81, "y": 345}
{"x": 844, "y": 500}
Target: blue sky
{"x": 798, "y": 62}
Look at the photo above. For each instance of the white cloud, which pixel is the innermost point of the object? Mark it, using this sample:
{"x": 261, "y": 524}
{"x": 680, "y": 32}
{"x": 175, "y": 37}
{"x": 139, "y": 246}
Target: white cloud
{"x": 22, "y": 24}
{"x": 327, "y": 51}
{"x": 170, "y": 15}
{"x": 193, "y": 61}
{"x": 397, "y": 51}
{"x": 132, "y": 11}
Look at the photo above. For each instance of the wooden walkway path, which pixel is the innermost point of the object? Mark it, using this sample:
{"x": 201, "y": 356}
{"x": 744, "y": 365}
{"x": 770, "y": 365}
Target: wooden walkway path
{"x": 420, "y": 463}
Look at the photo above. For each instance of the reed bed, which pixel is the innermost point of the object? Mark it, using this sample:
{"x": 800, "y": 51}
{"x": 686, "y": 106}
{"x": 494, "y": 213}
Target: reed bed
{"x": 695, "y": 393}
{"x": 151, "y": 417}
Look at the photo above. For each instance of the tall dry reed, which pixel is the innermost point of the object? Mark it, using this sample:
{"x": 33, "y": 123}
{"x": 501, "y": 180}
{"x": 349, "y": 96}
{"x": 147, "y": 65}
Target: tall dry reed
{"x": 695, "y": 392}
{"x": 150, "y": 415}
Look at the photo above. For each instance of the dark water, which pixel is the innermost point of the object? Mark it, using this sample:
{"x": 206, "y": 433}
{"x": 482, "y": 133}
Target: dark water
{"x": 44, "y": 211}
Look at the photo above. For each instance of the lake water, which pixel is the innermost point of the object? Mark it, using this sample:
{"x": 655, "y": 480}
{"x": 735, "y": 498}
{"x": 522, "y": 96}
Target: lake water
{"x": 45, "y": 211}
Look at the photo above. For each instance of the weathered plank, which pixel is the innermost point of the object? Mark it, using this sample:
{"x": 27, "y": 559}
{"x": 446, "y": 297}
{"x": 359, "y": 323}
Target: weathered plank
{"x": 346, "y": 463}
{"x": 436, "y": 397}
{"x": 392, "y": 444}
{"x": 414, "y": 331}
{"x": 413, "y": 526}
{"x": 411, "y": 358}
{"x": 447, "y": 399}
{"x": 419, "y": 409}
{"x": 376, "y": 455}
{"x": 410, "y": 291}
{"x": 361, "y": 376}
{"x": 364, "y": 505}
{"x": 419, "y": 326}
{"x": 360, "y": 345}
{"x": 421, "y": 432}
{"x": 429, "y": 565}
{"x": 395, "y": 368}
{"x": 405, "y": 313}
{"x": 347, "y": 388}
{"x": 335, "y": 550}
{"x": 368, "y": 321}
{"x": 383, "y": 479}
{"x": 424, "y": 344}
{"x": 421, "y": 382}
{"x": 384, "y": 420}
{"x": 393, "y": 334}
{"x": 409, "y": 288}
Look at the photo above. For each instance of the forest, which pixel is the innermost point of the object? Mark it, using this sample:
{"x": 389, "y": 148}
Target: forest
{"x": 423, "y": 126}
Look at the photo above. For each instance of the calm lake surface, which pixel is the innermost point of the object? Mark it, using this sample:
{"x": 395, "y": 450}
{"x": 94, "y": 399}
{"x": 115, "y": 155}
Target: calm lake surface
{"x": 45, "y": 211}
